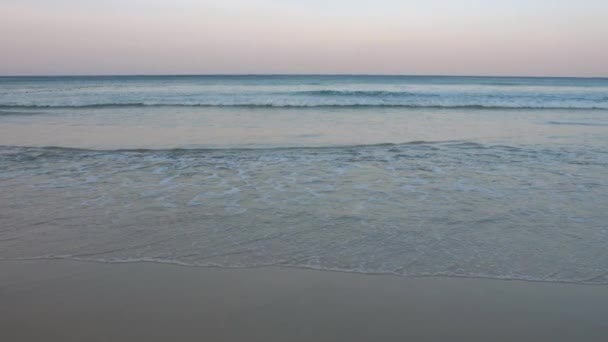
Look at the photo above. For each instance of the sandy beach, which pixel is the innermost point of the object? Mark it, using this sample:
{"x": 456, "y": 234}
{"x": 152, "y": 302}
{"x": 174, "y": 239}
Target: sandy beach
{"x": 78, "y": 301}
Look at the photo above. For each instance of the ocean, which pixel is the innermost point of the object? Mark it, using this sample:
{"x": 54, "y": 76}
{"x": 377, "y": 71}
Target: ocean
{"x": 491, "y": 177}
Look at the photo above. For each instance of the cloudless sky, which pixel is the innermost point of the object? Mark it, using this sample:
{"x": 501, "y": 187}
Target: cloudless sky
{"x": 447, "y": 37}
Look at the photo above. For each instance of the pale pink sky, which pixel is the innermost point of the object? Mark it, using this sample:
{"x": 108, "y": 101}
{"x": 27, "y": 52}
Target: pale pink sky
{"x": 542, "y": 37}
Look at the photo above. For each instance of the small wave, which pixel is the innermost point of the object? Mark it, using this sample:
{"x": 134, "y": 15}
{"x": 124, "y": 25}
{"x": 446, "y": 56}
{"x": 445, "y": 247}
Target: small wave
{"x": 597, "y": 280}
{"x": 578, "y": 123}
{"x": 97, "y": 105}
{"x": 310, "y": 105}
{"x": 13, "y": 112}
{"x": 362, "y": 93}
{"x": 449, "y": 143}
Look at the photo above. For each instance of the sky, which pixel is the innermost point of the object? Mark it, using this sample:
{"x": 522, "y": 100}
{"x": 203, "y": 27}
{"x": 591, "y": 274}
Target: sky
{"x": 411, "y": 37}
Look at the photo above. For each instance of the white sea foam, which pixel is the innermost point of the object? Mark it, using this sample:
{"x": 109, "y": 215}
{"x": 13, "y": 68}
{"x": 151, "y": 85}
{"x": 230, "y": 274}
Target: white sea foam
{"x": 494, "y": 211}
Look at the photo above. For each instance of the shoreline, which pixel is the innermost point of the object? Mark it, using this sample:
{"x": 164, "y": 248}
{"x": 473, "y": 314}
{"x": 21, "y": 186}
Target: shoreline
{"x": 68, "y": 300}
{"x": 305, "y": 268}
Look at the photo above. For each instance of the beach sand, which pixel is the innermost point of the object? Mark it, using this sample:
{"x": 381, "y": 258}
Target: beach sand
{"x": 62, "y": 300}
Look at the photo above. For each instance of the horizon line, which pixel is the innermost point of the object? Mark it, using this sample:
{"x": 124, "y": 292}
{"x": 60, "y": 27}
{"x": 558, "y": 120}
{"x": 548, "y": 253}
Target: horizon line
{"x": 294, "y": 74}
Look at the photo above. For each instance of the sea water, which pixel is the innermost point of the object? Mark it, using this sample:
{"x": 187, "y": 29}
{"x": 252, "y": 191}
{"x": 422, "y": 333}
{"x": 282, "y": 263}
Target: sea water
{"x": 413, "y": 176}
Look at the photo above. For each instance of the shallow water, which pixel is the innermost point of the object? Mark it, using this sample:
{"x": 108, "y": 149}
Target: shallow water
{"x": 474, "y": 192}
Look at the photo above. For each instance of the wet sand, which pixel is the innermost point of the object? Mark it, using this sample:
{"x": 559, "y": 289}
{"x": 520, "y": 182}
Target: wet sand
{"x": 62, "y": 300}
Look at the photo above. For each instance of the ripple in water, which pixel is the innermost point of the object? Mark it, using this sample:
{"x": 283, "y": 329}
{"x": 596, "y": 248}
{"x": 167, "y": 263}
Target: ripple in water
{"x": 449, "y": 209}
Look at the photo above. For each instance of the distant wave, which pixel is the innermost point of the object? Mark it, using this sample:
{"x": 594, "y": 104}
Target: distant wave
{"x": 302, "y": 105}
{"x": 60, "y": 148}
{"x": 458, "y": 144}
{"x": 12, "y": 112}
{"x": 577, "y": 123}
{"x": 362, "y": 93}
